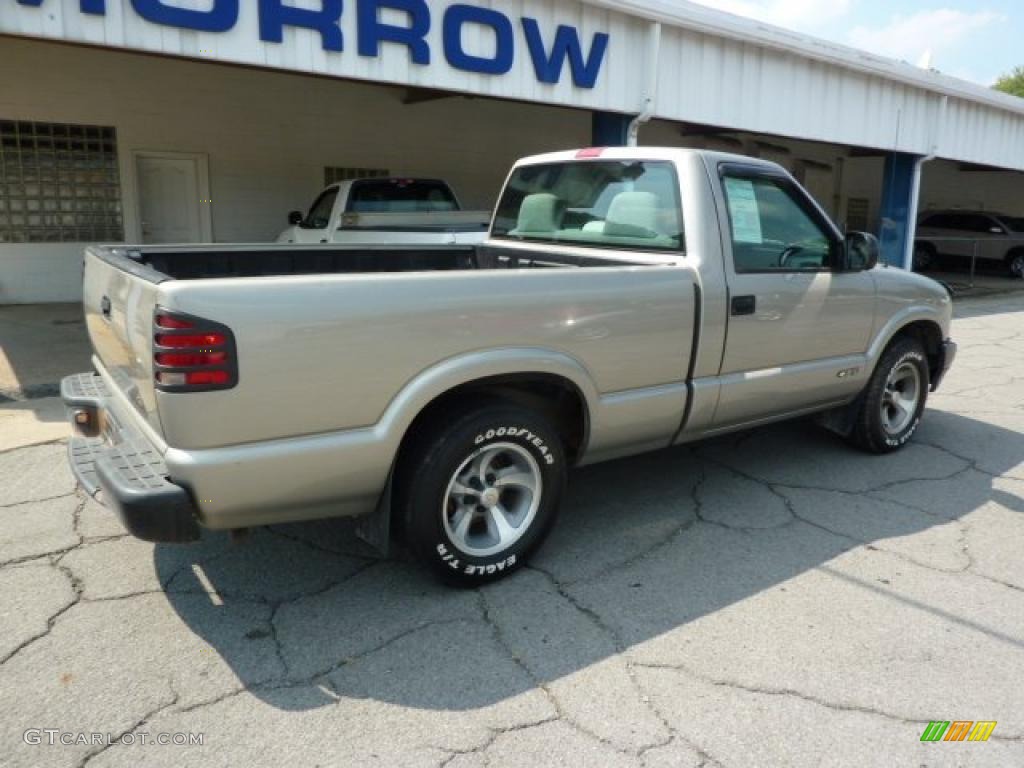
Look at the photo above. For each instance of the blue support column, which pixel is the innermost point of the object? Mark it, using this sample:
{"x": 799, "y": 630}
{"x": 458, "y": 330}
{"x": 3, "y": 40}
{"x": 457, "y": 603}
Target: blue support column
{"x": 899, "y": 208}
{"x": 609, "y": 129}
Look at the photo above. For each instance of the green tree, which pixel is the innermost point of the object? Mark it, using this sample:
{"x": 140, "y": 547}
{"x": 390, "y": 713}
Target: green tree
{"x": 1012, "y": 83}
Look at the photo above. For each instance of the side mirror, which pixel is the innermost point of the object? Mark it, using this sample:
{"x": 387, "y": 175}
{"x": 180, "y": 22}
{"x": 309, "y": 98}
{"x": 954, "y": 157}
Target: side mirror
{"x": 295, "y": 218}
{"x": 997, "y": 230}
{"x": 862, "y": 252}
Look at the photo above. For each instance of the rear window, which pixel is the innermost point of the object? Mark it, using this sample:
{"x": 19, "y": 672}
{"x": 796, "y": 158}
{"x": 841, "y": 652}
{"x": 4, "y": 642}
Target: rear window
{"x": 400, "y": 196}
{"x": 599, "y": 203}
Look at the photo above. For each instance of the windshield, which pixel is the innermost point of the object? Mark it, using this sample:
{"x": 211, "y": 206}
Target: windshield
{"x": 400, "y": 196}
{"x": 319, "y": 216}
{"x": 606, "y": 203}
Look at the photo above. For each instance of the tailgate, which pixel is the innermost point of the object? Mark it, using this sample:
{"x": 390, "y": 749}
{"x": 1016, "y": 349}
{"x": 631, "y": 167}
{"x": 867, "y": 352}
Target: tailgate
{"x": 119, "y": 302}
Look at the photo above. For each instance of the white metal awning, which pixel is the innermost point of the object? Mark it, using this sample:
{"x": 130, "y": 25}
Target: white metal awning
{"x": 712, "y": 68}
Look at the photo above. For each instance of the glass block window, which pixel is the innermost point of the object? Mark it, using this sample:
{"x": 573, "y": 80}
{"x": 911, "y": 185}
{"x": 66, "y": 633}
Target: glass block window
{"x": 59, "y": 183}
{"x": 334, "y": 175}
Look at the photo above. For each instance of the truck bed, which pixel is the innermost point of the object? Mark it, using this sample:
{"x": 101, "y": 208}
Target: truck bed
{"x": 328, "y": 338}
{"x": 160, "y": 263}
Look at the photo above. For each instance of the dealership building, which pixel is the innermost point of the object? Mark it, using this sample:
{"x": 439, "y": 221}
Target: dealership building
{"x": 208, "y": 120}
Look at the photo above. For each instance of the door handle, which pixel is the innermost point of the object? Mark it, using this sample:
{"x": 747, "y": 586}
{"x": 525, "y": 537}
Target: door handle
{"x": 743, "y": 305}
{"x": 105, "y": 307}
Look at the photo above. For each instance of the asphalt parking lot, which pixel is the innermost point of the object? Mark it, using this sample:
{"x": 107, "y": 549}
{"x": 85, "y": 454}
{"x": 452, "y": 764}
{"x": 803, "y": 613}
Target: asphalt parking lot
{"x": 773, "y": 598}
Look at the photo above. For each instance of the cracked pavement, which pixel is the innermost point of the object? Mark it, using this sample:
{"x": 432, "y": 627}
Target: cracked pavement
{"x": 769, "y": 598}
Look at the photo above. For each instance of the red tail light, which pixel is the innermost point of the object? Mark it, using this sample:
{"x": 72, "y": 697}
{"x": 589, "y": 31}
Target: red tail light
{"x": 191, "y": 354}
{"x": 196, "y": 378}
{"x": 175, "y": 323}
{"x": 191, "y": 341}
{"x": 189, "y": 359}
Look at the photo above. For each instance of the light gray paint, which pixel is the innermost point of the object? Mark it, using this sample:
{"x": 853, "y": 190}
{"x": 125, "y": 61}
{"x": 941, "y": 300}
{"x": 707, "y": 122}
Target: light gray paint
{"x": 334, "y": 368}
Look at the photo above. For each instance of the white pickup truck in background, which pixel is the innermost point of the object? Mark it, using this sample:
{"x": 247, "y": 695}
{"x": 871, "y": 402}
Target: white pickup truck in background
{"x": 393, "y": 211}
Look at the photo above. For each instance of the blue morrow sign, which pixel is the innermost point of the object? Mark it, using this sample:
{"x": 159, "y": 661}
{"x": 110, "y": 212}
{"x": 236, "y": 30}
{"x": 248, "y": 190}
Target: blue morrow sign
{"x": 548, "y": 53}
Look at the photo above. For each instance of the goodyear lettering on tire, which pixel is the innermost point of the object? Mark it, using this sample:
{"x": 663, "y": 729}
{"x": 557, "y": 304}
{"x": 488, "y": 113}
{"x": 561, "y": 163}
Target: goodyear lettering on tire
{"x": 517, "y": 432}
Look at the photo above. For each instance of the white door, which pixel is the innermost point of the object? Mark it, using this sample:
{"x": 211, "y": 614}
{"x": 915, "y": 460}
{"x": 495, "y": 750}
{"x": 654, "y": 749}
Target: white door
{"x": 172, "y": 198}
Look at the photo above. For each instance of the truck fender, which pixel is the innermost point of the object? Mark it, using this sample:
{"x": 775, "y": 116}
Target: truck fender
{"x": 375, "y": 527}
{"x": 905, "y": 317}
{"x": 841, "y": 420}
{"x": 458, "y": 371}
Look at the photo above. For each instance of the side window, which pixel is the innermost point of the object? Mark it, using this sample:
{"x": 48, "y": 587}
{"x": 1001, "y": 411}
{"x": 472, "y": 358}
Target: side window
{"x": 771, "y": 230}
{"x": 320, "y": 213}
{"x": 973, "y": 223}
{"x": 984, "y": 225}
{"x": 965, "y": 222}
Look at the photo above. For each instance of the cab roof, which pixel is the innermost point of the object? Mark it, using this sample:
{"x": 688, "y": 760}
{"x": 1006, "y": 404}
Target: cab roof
{"x": 663, "y": 154}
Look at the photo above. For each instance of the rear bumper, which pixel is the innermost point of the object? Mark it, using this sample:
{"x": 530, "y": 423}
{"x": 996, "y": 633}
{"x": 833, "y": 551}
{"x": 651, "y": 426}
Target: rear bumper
{"x": 118, "y": 460}
{"x": 947, "y": 354}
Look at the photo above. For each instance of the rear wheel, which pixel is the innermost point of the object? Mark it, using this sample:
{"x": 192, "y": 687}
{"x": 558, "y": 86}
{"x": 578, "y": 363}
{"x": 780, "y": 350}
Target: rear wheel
{"x": 479, "y": 494}
{"x": 895, "y": 398}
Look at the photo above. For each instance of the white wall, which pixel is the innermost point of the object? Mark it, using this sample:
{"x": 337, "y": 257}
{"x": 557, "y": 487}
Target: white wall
{"x": 268, "y": 136}
{"x": 39, "y": 273}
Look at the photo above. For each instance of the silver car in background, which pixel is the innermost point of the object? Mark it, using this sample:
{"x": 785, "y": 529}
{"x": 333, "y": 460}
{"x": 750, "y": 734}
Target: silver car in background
{"x": 991, "y": 238}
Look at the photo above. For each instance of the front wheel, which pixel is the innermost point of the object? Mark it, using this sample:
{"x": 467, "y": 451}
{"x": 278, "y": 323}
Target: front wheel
{"x": 895, "y": 398}
{"x": 924, "y": 257}
{"x": 1015, "y": 264}
{"x": 479, "y": 494}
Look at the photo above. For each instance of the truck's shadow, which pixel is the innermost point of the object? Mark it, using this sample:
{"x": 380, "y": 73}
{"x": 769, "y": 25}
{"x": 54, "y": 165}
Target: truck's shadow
{"x": 629, "y": 548}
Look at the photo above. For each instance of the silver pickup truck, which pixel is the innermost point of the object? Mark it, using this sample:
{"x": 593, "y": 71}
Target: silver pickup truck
{"x": 626, "y": 300}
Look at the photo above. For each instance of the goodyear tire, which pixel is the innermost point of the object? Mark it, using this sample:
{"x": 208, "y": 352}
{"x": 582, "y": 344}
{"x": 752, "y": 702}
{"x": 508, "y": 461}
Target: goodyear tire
{"x": 479, "y": 493}
{"x": 894, "y": 400}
